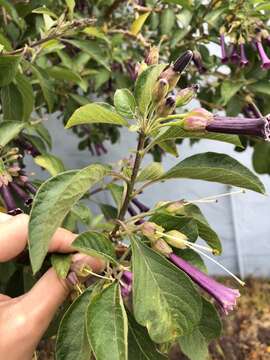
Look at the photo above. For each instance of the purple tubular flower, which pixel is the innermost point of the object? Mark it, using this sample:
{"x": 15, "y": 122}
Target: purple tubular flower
{"x": 240, "y": 126}
{"x": 126, "y": 285}
{"x": 243, "y": 58}
{"x": 234, "y": 55}
{"x": 30, "y": 187}
{"x": 264, "y": 58}
{"x": 225, "y": 296}
{"x": 224, "y": 56}
{"x": 21, "y": 193}
{"x": 10, "y": 204}
{"x": 140, "y": 205}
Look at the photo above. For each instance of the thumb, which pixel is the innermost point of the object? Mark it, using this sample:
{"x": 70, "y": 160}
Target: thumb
{"x": 43, "y": 300}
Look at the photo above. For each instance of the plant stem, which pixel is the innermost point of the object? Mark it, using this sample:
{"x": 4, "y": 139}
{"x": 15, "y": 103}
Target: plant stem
{"x": 131, "y": 183}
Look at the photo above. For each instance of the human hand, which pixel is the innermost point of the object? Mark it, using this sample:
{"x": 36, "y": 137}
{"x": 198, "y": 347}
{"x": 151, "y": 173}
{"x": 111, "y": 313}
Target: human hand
{"x": 23, "y": 320}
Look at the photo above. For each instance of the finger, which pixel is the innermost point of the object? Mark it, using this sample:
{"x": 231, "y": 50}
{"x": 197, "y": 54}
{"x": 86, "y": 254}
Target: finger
{"x": 43, "y": 300}
{"x": 14, "y": 234}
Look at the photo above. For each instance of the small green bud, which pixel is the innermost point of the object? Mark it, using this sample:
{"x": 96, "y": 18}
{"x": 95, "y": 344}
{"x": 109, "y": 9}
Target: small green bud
{"x": 176, "y": 239}
{"x": 162, "y": 247}
{"x": 160, "y": 90}
{"x": 176, "y": 207}
{"x": 184, "y": 96}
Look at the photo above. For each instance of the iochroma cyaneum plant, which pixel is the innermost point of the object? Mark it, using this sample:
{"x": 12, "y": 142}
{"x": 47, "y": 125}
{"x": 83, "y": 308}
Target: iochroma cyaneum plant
{"x": 154, "y": 291}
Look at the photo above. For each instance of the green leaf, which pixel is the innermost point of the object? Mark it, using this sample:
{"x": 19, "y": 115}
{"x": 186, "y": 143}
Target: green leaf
{"x": 51, "y": 163}
{"x": 152, "y": 171}
{"x": 137, "y": 24}
{"x": 260, "y": 87}
{"x": 95, "y": 244}
{"x": 71, "y": 5}
{"x": 96, "y": 32}
{"x": 184, "y": 17}
{"x": 71, "y": 342}
{"x": 125, "y": 103}
{"x": 195, "y": 344}
{"x": 205, "y": 231}
{"x": 117, "y": 193}
{"x": 91, "y": 48}
{"x": 164, "y": 298}
{"x": 145, "y": 84}
{"x": 53, "y": 202}
{"x": 216, "y": 167}
{"x": 229, "y": 89}
{"x": 167, "y": 21}
{"x": 46, "y": 86}
{"x": 107, "y": 326}
{"x": 260, "y": 157}
{"x": 61, "y": 264}
{"x": 140, "y": 346}
{"x": 61, "y": 73}
{"x": 184, "y": 224}
{"x": 9, "y": 130}
{"x": 12, "y": 103}
{"x": 176, "y": 132}
{"x": 8, "y": 68}
{"x": 82, "y": 213}
{"x": 44, "y": 10}
{"x": 26, "y": 90}
{"x": 95, "y": 113}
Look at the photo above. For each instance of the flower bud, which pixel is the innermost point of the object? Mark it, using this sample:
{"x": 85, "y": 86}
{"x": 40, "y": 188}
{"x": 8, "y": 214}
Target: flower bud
{"x": 176, "y": 207}
{"x": 197, "y": 120}
{"x": 153, "y": 56}
{"x": 166, "y": 107}
{"x": 162, "y": 247}
{"x": 176, "y": 239}
{"x": 160, "y": 90}
{"x": 184, "y": 96}
{"x": 182, "y": 62}
{"x": 149, "y": 229}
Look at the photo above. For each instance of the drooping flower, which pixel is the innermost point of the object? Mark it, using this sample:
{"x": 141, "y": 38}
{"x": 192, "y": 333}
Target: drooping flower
{"x": 9, "y": 201}
{"x": 263, "y": 56}
{"x": 243, "y": 58}
{"x": 224, "y": 56}
{"x": 240, "y": 126}
{"x": 225, "y": 296}
{"x": 21, "y": 193}
{"x": 234, "y": 57}
{"x": 140, "y": 205}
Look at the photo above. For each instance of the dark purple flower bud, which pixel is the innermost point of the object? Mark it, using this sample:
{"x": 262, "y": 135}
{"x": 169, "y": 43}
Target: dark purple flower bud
{"x": 197, "y": 59}
{"x": 126, "y": 284}
{"x": 183, "y": 61}
{"x": 167, "y": 106}
{"x": 225, "y": 296}
{"x": 240, "y": 126}
{"x": 235, "y": 58}
{"x": 140, "y": 205}
{"x": 264, "y": 58}
{"x": 243, "y": 58}
{"x": 9, "y": 201}
{"x": 224, "y": 56}
{"x": 21, "y": 193}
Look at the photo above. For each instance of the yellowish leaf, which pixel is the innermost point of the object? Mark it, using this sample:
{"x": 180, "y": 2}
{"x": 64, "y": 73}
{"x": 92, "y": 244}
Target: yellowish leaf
{"x": 138, "y": 23}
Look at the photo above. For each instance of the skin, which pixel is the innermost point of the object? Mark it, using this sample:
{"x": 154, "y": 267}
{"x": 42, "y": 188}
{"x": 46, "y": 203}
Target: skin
{"x": 23, "y": 320}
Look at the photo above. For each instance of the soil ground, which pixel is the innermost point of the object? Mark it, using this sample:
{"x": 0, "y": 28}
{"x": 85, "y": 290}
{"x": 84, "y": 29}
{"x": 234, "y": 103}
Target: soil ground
{"x": 246, "y": 331}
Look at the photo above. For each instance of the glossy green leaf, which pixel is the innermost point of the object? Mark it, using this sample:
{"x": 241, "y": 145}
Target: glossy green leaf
{"x": 95, "y": 244}
{"x": 95, "y": 113}
{"x": 195, "y": 344}
{"x": 8, "y": 68}
{"x": 26, "y": 90}
{"x": 164, "y": 298}
{"x": 167, "y": 21}
{"x": 176, "y": 132}
{"x": 216, "y": 167}
{"x": 261, "y": 87}
{"x": 261, "y": 158}
{"x": 117, "y": 192}
{"x": 152, "y": 171}
{"x": 137, "y": 24}
{"x": 125, "y": 103}
{"x": 72, "y": 342}
{"x": 12, "y": 103}
{"x": 45, "y": 10}
{"x": 46, "y": 86}
{"x": 91, "y": 48}
{"x": 205, "y": 231}
{"x": 9, "y": 130}
{"x": 229, "y": 89}
{"x": 61, "y": 73}
{"x": 52, "y": 203}
{"x": 107, "y": 325}
{"x": 61, "y": 264}
{"x": 140, "y": 346}
{"x": 51, "y": 163}
{"x": 82, "y": 213}
{"x": 96, "y": 32}
{"x": 145, "y": 84}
